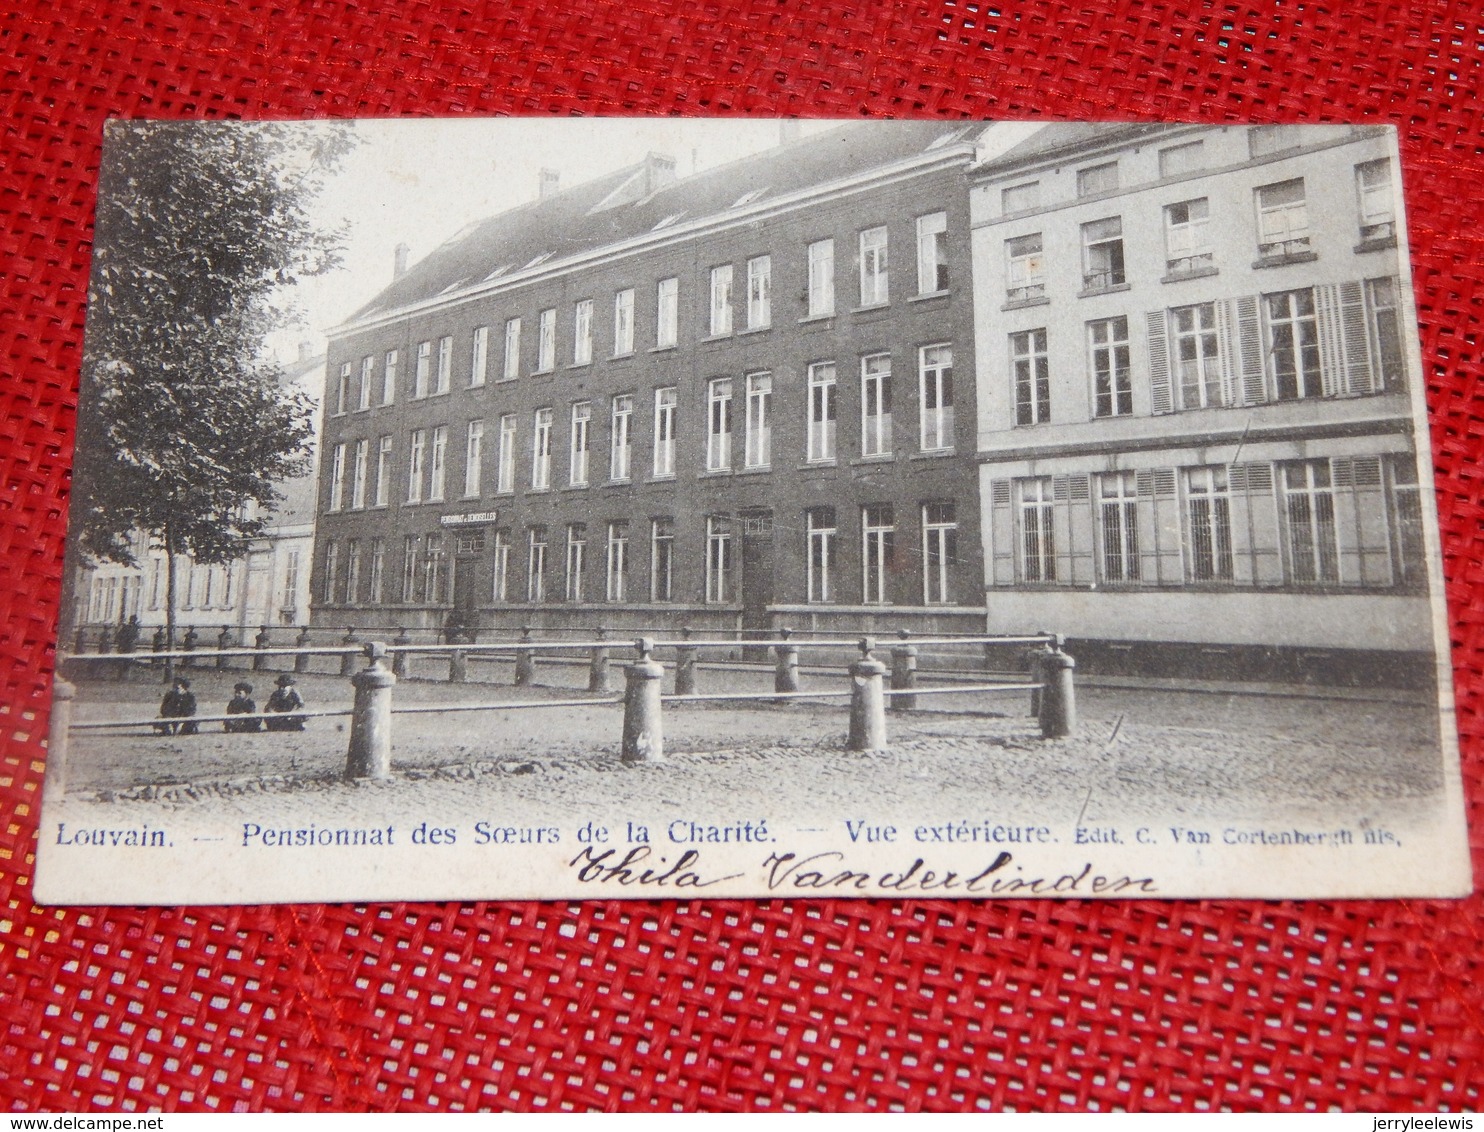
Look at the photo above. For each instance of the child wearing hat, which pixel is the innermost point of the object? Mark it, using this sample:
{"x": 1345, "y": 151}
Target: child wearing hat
{"x": 242, "y": 703}
{"x": 285, "y": 698}
{"x": 178, "y": 703}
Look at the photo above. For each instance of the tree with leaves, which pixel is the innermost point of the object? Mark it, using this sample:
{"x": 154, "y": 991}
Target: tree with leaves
{"x": 185, "y": 427}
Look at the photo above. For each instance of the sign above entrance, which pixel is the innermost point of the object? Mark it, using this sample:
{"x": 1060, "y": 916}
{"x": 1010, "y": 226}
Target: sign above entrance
{"x": 468, "y": 520}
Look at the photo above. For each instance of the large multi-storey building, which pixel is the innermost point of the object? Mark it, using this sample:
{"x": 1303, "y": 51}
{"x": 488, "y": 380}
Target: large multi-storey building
{"x": 726, "y": 401}
{"x": 1196, "y": 401}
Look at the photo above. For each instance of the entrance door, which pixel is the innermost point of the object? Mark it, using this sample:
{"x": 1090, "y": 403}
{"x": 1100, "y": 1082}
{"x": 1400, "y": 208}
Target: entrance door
{"x": 757, "y": 578}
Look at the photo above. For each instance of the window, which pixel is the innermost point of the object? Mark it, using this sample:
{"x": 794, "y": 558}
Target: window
{"x": 667, "y": 313}
{"x": 1293, "y": 338}
{"x": 822, "y": 413}
{"x": 1102, "y": 254}
{"x": 1187, "y": 242}
{"x": 546, "y": 341}
{"x": 662, "y": 560}
{"x": 1385, "y": 329}
{"x": 939, "y": 552}
{"x": 1282, "y": 219}
{"x": 536, "y": 564}
{"x": 876, "y": 405}
{"x": 500, "y": 565}
{"x": 582, "y": 415}
{"x": 1197, "y": 356}
{"x": 935, "y": 390}
{"x": 342, "y": 391}
{"x": 389, "y": 379}
{"x": 363, "y": 391}
{"x": 759, "y": 292}
{"x": 1037, "y": 541}
{"x": 337, "y": 478}
{"x": 1309, "y": 518}
{"x": 757, "y": 449}
{"x": 1032, "y": 369}
{"x": 719, "y": 425}
{"x": 582, "y": 333}
{"x": 932, "y": 253}
{"x": 445, "y": 365}
{"x": 1097, "y": 179}
{"x": 1209, "y": 524}
{"x": 473, "y": 458}
{"x": 422, "y": 375}
{"x": 410, "y": 575}
{"x": 721, "y": 300}
{"x": 479, "y": 356}
{"x": 510, "y": 369}
{"x": 621, "y": 438}
{"x": 438, "y": 470}
{"x": 1410, "y": 567}
{"x": 435, "y": 571}
{"x": 331, "y": 580}
{"x": 1027, "y": 269}
{"x": 353, "y": 571}
{"x": 576, "y": 559}
{"x": 1118, "y": 526}
{"x": 873, "y": 260}
{"x": 623, "y": 322}
{"x": 375, "y": 582}
{"x": 1113, "y": 388}
{"x": 1018, "y": 198}
{"x": 719, "y": 584}
{"x": 618, "y": 561}
{"x": 877, "y": 534}
{"x": 1270, "y": 139}
{"x": 1179, "y": 159}
{"x": 664, "y": 432}
{"x": 1377, "y": 203}
{"x": 383, "y": 494}
{"x": 821, "y": 278}
{"x": 505, "y": 475}
{"x": 541, "y": 451}
{"x": 358, "y": 474}
{"x": 819, "y": 523}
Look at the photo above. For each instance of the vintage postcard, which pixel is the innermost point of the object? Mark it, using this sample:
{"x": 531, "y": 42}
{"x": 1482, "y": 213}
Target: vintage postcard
{"x": 658, "y": 508}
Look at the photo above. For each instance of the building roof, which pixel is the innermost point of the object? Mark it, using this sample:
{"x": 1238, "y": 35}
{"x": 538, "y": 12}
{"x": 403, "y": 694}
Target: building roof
{"x": 1054, "y": 138}
{"x": 638, "y": 199}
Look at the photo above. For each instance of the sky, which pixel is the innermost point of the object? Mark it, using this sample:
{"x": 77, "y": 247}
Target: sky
{"x": 421, "y": 181}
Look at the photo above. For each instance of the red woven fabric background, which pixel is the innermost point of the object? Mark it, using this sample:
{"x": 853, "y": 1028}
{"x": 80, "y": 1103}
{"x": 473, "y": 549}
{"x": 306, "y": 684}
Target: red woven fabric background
{"x": 807, "y": 1004}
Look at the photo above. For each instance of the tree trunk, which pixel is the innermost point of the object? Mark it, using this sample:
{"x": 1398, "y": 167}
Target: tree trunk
{"x": 169, "y": 601}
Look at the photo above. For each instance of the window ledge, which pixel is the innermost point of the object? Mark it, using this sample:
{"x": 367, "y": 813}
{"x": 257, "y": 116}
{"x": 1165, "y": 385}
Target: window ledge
{"x": 1381, "y": 244}
{"x": 760, "y": 470}
{"x": 1022, "y": 304}
{"x": 1111, "y": 289}
{"x": 542, "y": 372}
{"x": 363, "y": 409}
{"x": 928, "y": 296}
{"x": 621, "y": 357}
{"x": 1284, "y": 260}
{"x": 808, "y": 318}
{"x": 661, "y": 479}
{"x": 868, "y": 308}
{"x": 475, "y": 385}
{"x": 755, "y": 330}
{"x": 714, "y": 474}
{"x": 933, "y": 454}
{"x": 576, "y": 487}
{"x": 882, "y": 458}
{"x": 1196, "y": 273}
{"x": 507, "y": 380}
{"x": 580, "y": 365}
{"x": 664, "y": 349}
{"x": 818, "y": 465}
{"x": 716, "y": 337}
{"x": 538, "y": 491}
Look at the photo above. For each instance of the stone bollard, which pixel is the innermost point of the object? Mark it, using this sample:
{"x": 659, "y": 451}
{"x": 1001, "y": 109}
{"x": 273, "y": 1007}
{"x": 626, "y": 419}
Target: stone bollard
{"x": 223, "y": 641}
{"x": 458, "y": 667}
{"x": 402, "y": 661}
{"x": 54, "y": 785}
{"x": 685, "y": 666}
{"x": 903, "y": 675}
{"x": 1036, "y": 659}
{"x": 301, "y": 660}
{"x": 597, "y": 666}
{"x": 1058, "y": 698}
{"x": 348, "y": 660}
{"x": 786, "y": 671}
{"x": 370, "y": 752}
{"x": 262, "y": 642}
{"x": 80, "y": 642}
{"x": 867, "y": 703}
{"x": 643, "y": 727}
{"x": 525, "y": 661}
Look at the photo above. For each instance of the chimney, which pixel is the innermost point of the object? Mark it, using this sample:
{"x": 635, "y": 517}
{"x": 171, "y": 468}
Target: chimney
{"x": 546, "y": 183}
{"x": 659, "y": 171}
{"x": 399, "y": 261}
{"x": 789, "y": 131}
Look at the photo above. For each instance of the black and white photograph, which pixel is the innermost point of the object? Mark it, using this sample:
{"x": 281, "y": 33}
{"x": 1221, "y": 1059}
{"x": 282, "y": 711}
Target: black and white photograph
{"x": 593, "y": 508}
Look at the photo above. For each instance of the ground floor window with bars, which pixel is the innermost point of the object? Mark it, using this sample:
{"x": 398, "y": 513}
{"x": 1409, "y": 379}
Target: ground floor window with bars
{"x": 1309, "y": 518}
{"x": 1209, "y": 524}
{"x": 939, "y": 553}
{"x": 1118, "y": 526}
{"x": 1037, "y": 538}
